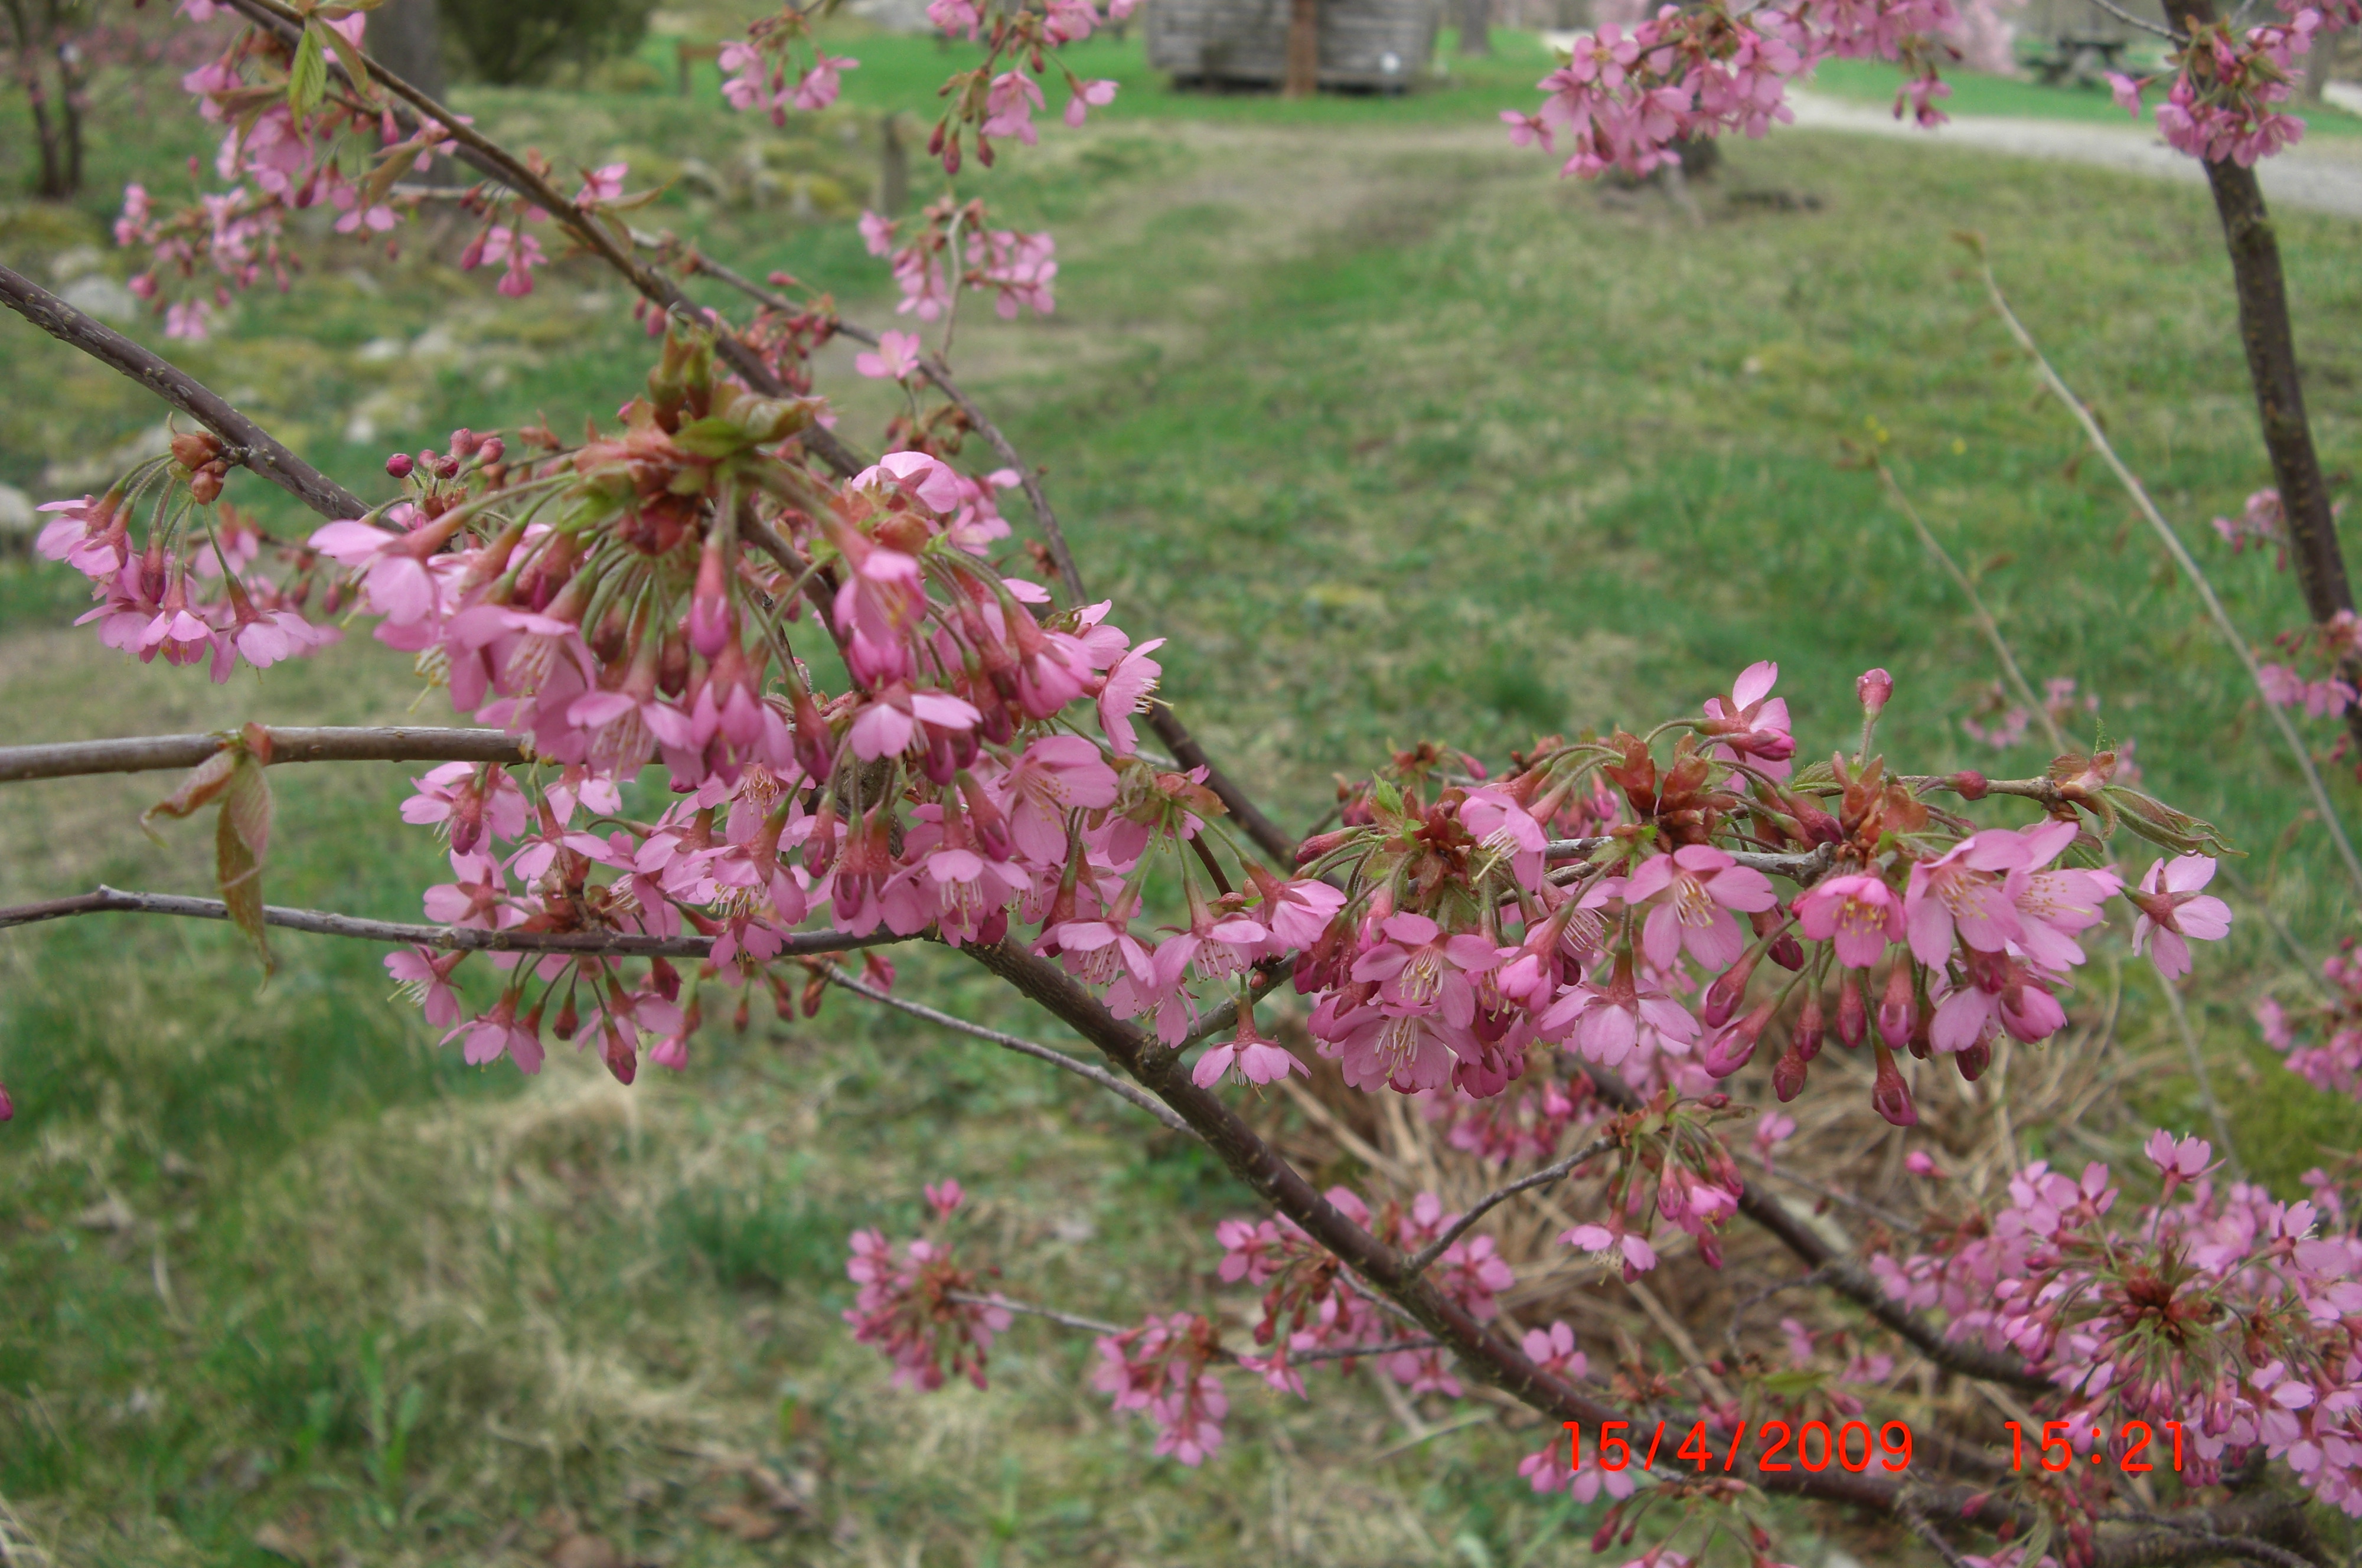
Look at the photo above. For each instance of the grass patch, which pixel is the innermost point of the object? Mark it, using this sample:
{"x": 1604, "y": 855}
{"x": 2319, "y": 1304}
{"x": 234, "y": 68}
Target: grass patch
{"x": 1396, "y": 441}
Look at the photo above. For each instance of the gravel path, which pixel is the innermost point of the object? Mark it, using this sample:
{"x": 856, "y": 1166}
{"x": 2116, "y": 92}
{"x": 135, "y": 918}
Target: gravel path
{"x": 2325, "y": 175}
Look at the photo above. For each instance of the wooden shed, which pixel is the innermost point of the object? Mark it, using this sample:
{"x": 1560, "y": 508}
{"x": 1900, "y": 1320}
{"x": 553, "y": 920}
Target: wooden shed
{"x": 1380, "y": 44}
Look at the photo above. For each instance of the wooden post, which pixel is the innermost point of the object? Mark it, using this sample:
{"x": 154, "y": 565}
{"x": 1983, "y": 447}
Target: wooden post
{"x": 1303, "y": 49}
{"x": 893, "y": 167}
{"x": 1475, "y": 26}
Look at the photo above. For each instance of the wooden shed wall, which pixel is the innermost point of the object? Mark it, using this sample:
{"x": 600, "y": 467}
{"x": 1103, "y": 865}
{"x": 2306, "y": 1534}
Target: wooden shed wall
{"x": 1246, "y": 40}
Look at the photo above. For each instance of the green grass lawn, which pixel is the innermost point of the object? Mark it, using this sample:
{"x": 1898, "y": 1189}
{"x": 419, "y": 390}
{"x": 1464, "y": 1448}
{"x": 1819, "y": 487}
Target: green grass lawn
{"x": 1397, "y": 437}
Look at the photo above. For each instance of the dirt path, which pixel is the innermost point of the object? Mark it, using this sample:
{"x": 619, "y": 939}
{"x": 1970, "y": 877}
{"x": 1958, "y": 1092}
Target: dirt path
{"x": 2325, "y": 175}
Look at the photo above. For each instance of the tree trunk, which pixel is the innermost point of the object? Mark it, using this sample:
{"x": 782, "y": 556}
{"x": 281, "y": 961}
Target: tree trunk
{"x": 71, "y": 81}
{"x": 2270, "y": 344}
{"x": 406, "y": 38}
{"x": 893, "y": 167}
{"x": 1303, "y": 49}
{"x": 1475, "y": 26}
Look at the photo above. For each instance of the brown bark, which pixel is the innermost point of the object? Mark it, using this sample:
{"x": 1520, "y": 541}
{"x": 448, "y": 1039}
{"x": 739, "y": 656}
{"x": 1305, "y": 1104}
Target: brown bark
{"x": 252, "y": 444}
{"x": 1303, "y": 49}
{"x": 2270, "y": 342}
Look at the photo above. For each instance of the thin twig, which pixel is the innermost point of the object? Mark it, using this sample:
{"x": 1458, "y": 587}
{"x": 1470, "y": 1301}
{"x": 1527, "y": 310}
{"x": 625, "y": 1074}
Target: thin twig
{"x": 149, "y": 754}
{"x": 1985, "y": 622}
{"x": 1064, "y": 1320}
{"x": 1123, "y": 1089}
{"x": 2198, "y": 1071}
{"x": 2172, "y": 542}
{"x": 585, "y": 224}
{"x": 248, "y": 443}
{"x": 447, "y": 938}
{"x": 1556, "y": 1171}
{"x": 2143, "y": 23}
{"x": 1927, "y": 1532}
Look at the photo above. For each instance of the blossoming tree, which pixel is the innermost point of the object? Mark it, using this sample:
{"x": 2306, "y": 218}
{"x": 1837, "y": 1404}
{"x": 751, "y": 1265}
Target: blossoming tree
{"x": 880, "y": 723}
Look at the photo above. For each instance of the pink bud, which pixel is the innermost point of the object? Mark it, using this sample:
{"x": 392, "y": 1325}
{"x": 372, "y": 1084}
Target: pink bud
{"x": 1972, "y": 1062}
{"x": 708, "y": 605}
{"x": 492, "y": 449}
{"x": 1788, "y": 1075}
{"x": 1873, "y": 687}
{"x": 1895, "y": 1010}
{"x": 1735, "y": 1046}
{"x": 399, "y": 465}
{"x": 1969, "y": 784}
{"x": 1722, "y": 997}
{"x": 1890, "y": 1095}
{"x": 1804, "y": 1036}
{"x": 8, "y": 1106}
{"x": 622, "y": 1060}
{"x": 1853, "y": 1019}
{"x": 463, "y": 442}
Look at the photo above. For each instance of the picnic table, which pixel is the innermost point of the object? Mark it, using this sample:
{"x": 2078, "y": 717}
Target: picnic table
{"x": 2084, "y": 58}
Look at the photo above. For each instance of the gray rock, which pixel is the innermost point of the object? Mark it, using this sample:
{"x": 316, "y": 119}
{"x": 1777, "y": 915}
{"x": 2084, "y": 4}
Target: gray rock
{"x": 102, "y": 297}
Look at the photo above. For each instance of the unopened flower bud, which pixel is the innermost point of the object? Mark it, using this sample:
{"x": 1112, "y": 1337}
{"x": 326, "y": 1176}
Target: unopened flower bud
{"x": 195, "y": 448}
{"x": 1722, "y": 997}
{"x": 622, "y": 1060}
{"x": 399, "y": 465}
{"x": 1973, "y": 1060}
{"x": 709, "y": 604}
{"x": 1853, "y": 1019}
{"x": 463, "y": 442}
{"x": 1788, "y": 1074}
{"x": 205, "y": 485}
{"x": 1805, "y": 1034}
{"x": 1873, "y": 687}
{"x": 1735, "y": 1046}
{"x": 665, "y": 978}
{"x": 1969, "y": 784}
{"x": 490, "y": 449}
{"x": 566, "y": 1021}
{"x": 1890, "y": 1095}
{"x": 1818, "y": 825}
{"x": 1895, "y": 1009}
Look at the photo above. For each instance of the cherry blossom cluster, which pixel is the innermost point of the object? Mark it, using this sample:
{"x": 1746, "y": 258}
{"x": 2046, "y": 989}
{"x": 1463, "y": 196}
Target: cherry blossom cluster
{"x": 2001, "y": 723}
{"x": 997, "y": 96}
{"x": 1627, "y": 95}
{"x": 188, "y": 592}
{"x": 2224, "y": 104}
{"x": 755, "y": 69}
{"x": 2313, "y": 672}
{"x": 1469, "y": 936}
{"x": 2322, "y": 1037}
{"x": 922, "y": 1310}
{"x": 919, "y": 1306}
{"x": 2218, "y": 1306}
{"x": 288, "y": 144}
{"x": 931, "y": 265}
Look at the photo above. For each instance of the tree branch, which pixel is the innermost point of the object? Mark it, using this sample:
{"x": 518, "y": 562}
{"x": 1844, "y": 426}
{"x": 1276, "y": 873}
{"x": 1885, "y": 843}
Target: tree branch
{"x": 1477, "y": 1210}
{"x": 449, "y": 938}
{"x": 248, "y": 443}
{"x": 150, "y": 754}
{"x": 1850, "y": 1280}
{"x": 1122, "y": 1089}
{"x": 482, "y": 153}
{"x": 1484, "y": 1354}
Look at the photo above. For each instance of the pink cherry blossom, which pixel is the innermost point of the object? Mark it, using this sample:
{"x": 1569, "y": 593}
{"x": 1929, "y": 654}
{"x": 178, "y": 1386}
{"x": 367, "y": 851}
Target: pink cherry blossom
{"x": 2173, "y": 911}
{"x": 1860, "y": 913}
{"x": 1689, "y": 895}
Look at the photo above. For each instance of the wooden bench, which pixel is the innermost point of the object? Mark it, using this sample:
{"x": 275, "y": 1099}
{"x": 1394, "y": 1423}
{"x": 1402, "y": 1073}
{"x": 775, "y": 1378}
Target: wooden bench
{"x": 688, "y": 54}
